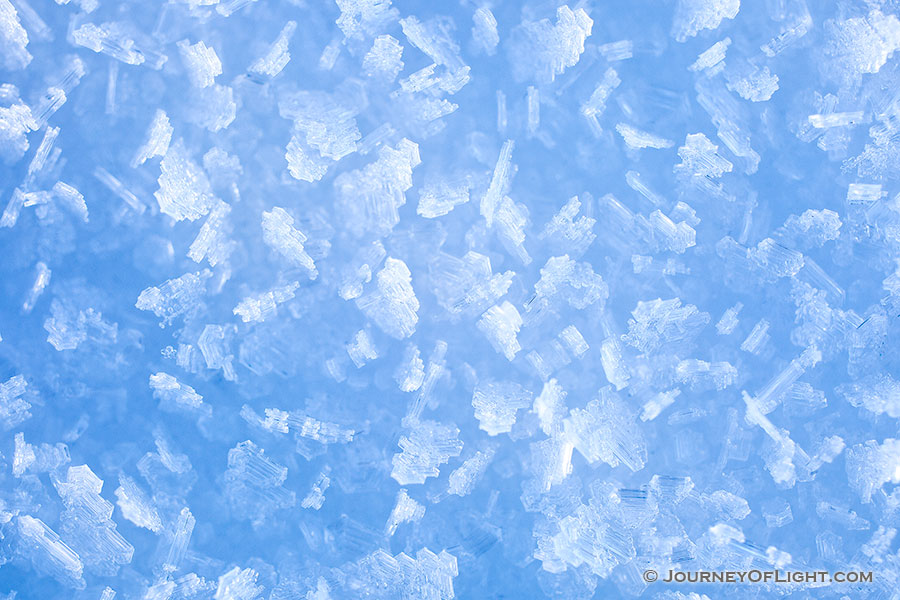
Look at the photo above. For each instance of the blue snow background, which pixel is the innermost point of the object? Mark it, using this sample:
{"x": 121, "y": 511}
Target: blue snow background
{"x": 489, "y": 390}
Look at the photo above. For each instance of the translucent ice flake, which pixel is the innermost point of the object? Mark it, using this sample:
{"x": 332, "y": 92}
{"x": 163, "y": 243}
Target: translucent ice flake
{"x": 877, "y": 393}
{"x": 258, "y": 308}
{"x": 700, "y": 158}
{"x": 424, "y": 449}
{"x": 159, "y": 136}
{"x": 369, "y": 199}
{"x": 428, "y": 575}
{"x": 699, "y": 373}
{"x": 496, "y": 404}
{"x": 757, "y": 338}
{"x": 214, "y": 345}
{"x": 677, "y": 237}
{"x": 119, "y": 189}
{"x": 568, "y": 234}
{"x": 391, "y": 303}
{"x": 68, "y": 327}
{"x": 777, "y": 513}
{"x": 383, "y": 62}
{"x": 438, "y": 198}
{"x": 238, "y": 584}
{"x": 615, "y": 51}
{"x": 410, "y": 373}
{"x": 254, "y": 482}
{"x": 499, "y": 183}
{"x": 467, "y": 285}
{"x": 613, "y": 363}
{"x": 226, "y": 8}
{"x": 864, "y": 194}
{"x": 136, "y": 506}
{"x": 278, "y": 56}
{"x": 712, "y": 60}
{"x": 606, "y": 430}
{"x": 13, "y": 407}
{"x": 213, "y": 107}
{"x": 541, "y": 50}
{"x": 280, "y": 235}
{"x": 117, "y": 41}
{"x": 533, "y": 101}
{"x": 360, "y": 269}
{"x": 658, "y": 403}
{"x": 47, "y": 552}
{"x": 725, "y": 505}
{"x": 433, "y": 372}
{"x": 302, "y": 164}
{"x": 175, "y": 297}
{"x": 841, "y": 119}
{"x": 41, "y": 280}
{"x": 693, "y": 16}
{"x": 564, "y": 280}
{"x": 551, "y": 356}
{"x": 732, "y": 123}
{"x": 862, "y": 44}
{"x": 484, "y": 30}
{"x": 434, "y": 39}
{"x": 361, "y": 18}
{"x": 755, "y": 84}
{"x": 551, "y": 463}
{"x": 279, "y": 421}
{"x": 871, "y": 465}
{"x": 184, "y": 191}
{"x": 660, "y": 322}
{"x": 769, "y": 259}
{"x": 842, "y": 516}
{"x": 813, "y": 228}
{"x": 781, "y": 454}
{"x": 43, "y": 153}
{"x": 636, "y": 139}
{"x": 767, "y": 399}
{"x": 13, "y": 39}
{"x": 501, "y": 324}
{"x": 511, "y": 219}
{"x": 593, "y": 107}
{"x": 87, "y": 525}
{"x": 71, "y": 199}
{"x": 316, "y": 496}
{"x": 212, "y": 241}
{"x": 464, "y": 479}
{"x": 201, "y": 62}
{"x": 774, "y": 259}
{"x": 16, "y": 122}
{"x": 28, "y": 458}
{"x": 175, "y": 396}
{"x": 180, "y": 538}
{"x": 406, "y": 510}
{"x": 361, "y": 348}
{"x": 588, "y": 538}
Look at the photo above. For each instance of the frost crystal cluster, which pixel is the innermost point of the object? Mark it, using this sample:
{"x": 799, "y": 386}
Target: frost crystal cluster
{"x": 422, "y": 300}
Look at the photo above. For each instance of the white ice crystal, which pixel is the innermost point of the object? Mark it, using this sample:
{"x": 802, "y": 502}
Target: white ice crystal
{"x": 496, "y": 404}
{"x": 501, "y": 324}
{"x": 693, "y": 16}
{"x": 542, "y": 50}
{"x": 424, "y": 449}
{"x": 281, "y": 236}
{"x": 13, "y": 39}
{"x": 184, "y": 191}
{"x": 201, "y": 61}
{"x": 391, "y": 303}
